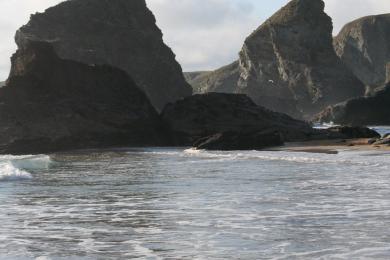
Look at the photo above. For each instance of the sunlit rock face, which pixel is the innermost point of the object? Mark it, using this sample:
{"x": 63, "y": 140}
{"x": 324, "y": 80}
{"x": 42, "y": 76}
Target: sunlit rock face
{"x": 288, "y": 64}
{"x": 363, "y": 45}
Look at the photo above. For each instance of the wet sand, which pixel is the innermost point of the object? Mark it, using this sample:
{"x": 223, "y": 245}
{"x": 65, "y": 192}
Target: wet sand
{"x": 332, "y": 146}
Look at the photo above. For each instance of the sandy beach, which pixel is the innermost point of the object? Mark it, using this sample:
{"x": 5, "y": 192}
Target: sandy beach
{"x": 332, "y": 146}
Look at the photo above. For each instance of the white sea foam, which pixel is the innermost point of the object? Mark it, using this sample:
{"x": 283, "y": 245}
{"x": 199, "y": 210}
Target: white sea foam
{"x": 350, "y": 158}
{"x": 14, "y": 168}
{"x": 32, "y": 162}
{"x": 10, "y": 173}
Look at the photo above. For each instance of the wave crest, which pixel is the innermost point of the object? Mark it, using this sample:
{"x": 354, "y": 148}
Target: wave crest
{"x": 14, "y": 168}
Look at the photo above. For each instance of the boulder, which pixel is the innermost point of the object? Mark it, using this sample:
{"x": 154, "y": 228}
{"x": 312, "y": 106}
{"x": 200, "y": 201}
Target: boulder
{"x": 119, "y": 33}
{"x": 50, "y": 104}
{"x": 382, "y": 141}
{"x": 209, "y": 114}
{"x": 348, "y": 132}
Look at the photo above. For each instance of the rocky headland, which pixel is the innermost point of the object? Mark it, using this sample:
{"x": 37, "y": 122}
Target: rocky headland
{"x": 95, "y": 73}
{"x": 363, "y": 45}
{"x": 223, "y": 80}
{"x": 119, "y": 33}
{"x": 289, "y": 64}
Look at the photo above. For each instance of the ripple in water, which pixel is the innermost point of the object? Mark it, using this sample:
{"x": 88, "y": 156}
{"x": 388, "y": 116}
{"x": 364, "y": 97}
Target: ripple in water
{"x": 186, "y": 204}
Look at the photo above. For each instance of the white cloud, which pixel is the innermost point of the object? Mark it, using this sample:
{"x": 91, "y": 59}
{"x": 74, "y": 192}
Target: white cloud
{"x": 205, "y": 34}
{"x": 344, "y": 11}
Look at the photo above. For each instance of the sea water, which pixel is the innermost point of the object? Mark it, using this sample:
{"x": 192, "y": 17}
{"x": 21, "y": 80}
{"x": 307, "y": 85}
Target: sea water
{"x": 181, "y": 203}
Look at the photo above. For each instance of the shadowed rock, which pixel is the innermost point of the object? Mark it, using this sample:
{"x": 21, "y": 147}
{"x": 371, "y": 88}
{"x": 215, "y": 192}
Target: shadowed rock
{"x": 240, "y": 141}
{"x": 373, "y": 110}
{"x": 120, "y": 33}
{"x": 205, "y": 115}
{"x": 50, "y": 104}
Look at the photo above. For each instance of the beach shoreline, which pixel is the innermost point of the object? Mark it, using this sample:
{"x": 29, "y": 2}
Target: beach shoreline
{"x": 332, "y": 146}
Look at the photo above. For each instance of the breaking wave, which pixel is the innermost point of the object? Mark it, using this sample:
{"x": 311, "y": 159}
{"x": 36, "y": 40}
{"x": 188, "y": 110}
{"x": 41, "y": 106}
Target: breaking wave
{"x": 14, "y": 168}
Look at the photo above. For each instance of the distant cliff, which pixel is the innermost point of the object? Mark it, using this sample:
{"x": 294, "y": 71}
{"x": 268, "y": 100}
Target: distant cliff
{"x": 50, "y": 104}
{"x": 364, "y": 46}
{"x": 372, "y": 110}
{"x": 288, "y": 64}
{"x": 119, "y": 33}
{"x": 223, "y": 80}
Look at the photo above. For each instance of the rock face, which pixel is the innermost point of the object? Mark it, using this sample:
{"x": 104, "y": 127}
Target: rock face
{"x": 119, "y": 33}
{"x": 363, "y": 45}
{"x": 202, "y": 116}
{"x": 373, "y": 110}
{"x": 240, "y": 141}
{"x": 50, "y": 104}
{"x": 289, "y": 65}
{"x": 290, "y": 61}
{"x": 223, "y": 80}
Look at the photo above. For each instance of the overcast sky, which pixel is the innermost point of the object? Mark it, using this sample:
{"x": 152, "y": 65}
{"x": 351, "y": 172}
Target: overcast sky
{"x": 204, "y": 34}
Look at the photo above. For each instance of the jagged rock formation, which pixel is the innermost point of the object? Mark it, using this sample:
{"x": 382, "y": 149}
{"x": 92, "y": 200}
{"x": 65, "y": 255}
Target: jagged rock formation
{"x": 50, "y": 104}
{"x": 363, "y": 45}
{"x": 223, "y": 80}
{"x": 120, "y": 33}
{"x": 289, "y": 65}
{"x": 372, "y": 110}
{"x": 205, "y": 115}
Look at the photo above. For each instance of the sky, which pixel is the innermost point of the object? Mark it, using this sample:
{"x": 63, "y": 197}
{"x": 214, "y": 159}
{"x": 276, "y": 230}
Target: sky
{"x": 204, "y": 34}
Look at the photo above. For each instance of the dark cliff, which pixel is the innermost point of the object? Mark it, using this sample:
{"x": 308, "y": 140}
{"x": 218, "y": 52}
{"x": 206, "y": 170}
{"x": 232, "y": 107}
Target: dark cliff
{"x": 372, "y": 110}
{"x": 50, "y": 104}
{"x": 203, "y": 115}
{"x": 119, "y": 33}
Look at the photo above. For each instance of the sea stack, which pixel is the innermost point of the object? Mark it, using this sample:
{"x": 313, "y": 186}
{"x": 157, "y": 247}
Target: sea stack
{"x": 50, "y": 104}
{"x": 363, "y": 45}
{"x": 289, "y": 65}
{"x": 120, "y": 33}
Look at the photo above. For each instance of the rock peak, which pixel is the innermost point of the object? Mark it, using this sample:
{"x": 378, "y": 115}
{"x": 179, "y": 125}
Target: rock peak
{"x": 363, "y": 45}
{"x": 51, "y": 104}
{"x": 289, "y": 65}
{"x": 120, "y": 33}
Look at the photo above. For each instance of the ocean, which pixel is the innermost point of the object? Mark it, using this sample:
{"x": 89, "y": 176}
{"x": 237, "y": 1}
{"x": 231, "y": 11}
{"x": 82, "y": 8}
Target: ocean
{"x": 179, "y": 203}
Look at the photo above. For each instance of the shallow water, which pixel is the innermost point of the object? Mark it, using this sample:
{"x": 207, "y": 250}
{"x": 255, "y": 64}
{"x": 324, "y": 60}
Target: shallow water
{"x": 186, "y": 204}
